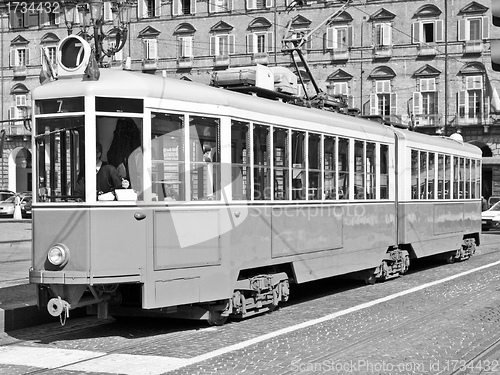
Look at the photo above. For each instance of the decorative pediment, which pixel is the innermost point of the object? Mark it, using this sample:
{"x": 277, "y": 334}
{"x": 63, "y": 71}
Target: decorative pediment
{"x": 221, "y": 26}
{"x": 343, "y": 17}
{"x": 149, "y": 32}
{"x": 382, "y": 72}
{"x": 427, "y": 71}
{"x": 184, "y": 28}
{"x": 473, "y": 8}
{"x": 19, "y": 41}
{"x": 19, "y": 89}
{"x": 339, "y": 75}
{"x": 49, "y": 38}
{"x": 260, "y": 23}
{"x": 473, "y": 68}
{"x": 427, "y": 11}
{"x": 382, "y": 15}
{"x": 300, "y": 22}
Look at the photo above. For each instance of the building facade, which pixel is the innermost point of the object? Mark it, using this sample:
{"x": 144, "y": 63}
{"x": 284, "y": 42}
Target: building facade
{"x": 424, "y": 64}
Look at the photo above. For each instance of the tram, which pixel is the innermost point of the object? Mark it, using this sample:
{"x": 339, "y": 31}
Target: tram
{"x": 232, "y": 197}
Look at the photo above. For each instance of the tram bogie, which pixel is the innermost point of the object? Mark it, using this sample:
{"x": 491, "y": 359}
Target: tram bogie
{"x": 232, "y": 198}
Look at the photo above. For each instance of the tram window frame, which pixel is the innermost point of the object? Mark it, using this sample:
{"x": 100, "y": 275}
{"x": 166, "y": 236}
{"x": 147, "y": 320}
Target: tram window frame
{"x": 477, "y": 190}
{"x": 204, "y": 158}
{"x": 240, "y": 160}
{"x": 281, "y": 158}
{"x": 467, "y": 189}
{"x": 423, "y": 177}
{"x": 168, "y": 164}
{"x": 431, "y": 175}
{"x": 371, "y": 170}
{"x": 415, "y": 175}
{"x": 261, "y": 165}
{"x": 385, "y": 178}
{"x": 448, "y": 168}
{"x": 440, "y": 173}
{"x": 330, "y": 167}
{"x": 359, "y": 169}
{"x": 299, "y": 176}
{"x": 456, "y": 176}
{"x": 314, "y": 152}
{"x": 343, "y": 161}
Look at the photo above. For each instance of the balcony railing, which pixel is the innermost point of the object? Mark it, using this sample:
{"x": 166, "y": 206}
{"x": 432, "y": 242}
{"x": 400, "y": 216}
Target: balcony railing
{"x": 340, "y": 54}
{"x": 149, "y": 64}
{"x": 473, "y": 46}
{"x": 16, "y": 127}
{"x": 20, "y": 71}
{"x": 222, "y": 60}
{"x": 428, "y": 120}
{"x": 382, "y": 52}
{"x": 185, "y": 63}
{"x": 260, "y": 58}
{"x": 426, "y": 50}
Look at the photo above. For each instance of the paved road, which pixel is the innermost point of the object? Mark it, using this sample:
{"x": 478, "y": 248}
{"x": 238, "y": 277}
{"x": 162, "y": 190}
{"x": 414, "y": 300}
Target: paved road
{"x": 439, "y": 320}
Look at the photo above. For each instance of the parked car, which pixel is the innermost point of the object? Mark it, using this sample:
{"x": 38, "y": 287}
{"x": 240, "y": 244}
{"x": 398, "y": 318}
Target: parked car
{"x": 7, "y": 206}
{"x": 26, "y": 206}
{"x": 490, "y": 219}
{"x": 492, "y": 201}
{"x": 4, "y": 194}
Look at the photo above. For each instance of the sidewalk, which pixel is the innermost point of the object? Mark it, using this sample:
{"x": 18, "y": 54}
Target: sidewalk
{"x": 17, "y": 297}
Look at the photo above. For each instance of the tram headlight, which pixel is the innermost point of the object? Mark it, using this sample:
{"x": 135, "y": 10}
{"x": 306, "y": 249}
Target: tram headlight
{"x": 58, "y": 255}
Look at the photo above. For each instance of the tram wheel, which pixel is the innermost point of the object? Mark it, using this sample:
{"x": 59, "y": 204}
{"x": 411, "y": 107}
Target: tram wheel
{"x": 215, "y": 318}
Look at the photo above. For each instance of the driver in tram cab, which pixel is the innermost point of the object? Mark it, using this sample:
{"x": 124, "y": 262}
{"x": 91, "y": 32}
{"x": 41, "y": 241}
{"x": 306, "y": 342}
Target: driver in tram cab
{"x": 109, "y": 178}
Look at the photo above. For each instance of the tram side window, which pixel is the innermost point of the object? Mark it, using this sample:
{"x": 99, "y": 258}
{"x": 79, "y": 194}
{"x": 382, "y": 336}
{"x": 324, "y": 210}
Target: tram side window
{"x": 431, "y": 175}
{"x": 167, "y": 157}
{"x": 281, "y": 168}
{"x": 240, "y": 160}
{"x": 456, "y": 177}
{"x": 467, "y": 179}
{"x": 440, "y": 176}
{"x": 414, "y": 174}
{"x": 121, "y": 141}
{"x": 61, "y": 159}
{"x": 343, "y": 162}
{"x": 298, "y": 164}
{"x": 262, "y": 170}
{"x": 371, "y": 182}
{"x": 330, "y": 166}
{"x": 461, "y": 194}
{"x": 359, "y": 171}
{"x": 477, "y": 190}
{"x": 204, "y": 151}
{"x": 447, "y": 177}
{"x": 423, "y": 175}
{"x": 314, "y": 153}
{"x": 384, "y": 172}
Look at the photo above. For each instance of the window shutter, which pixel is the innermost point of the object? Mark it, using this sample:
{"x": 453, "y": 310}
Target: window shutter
{"x": 213, "y": 41}
{"x": 213, "y": 7}
{"x": 269, "y": 3}
{"x": 142, "y": 9}
{"x": 232, "y": 44}
{"x": 251, "y": 4}
{"x": 416, "y": 32}
{"x": 26, "y": 57}
{"x": 193, "y": 7}
{"x": 373, "y": 104}
{"x": 461, "y": 30}
{"x": 439, "y": 31}
{"x": 486, "y": 27}
{"x": 349, "y": 36}
{"x": 330, "y": 41}
{"x": 270, "y": 42}
{"x": 12, "y": 58}
{"x": 157, "y": 8}
{"x": 462, "y": 103}
{"x": 176, "y": 7}
{"x": 186, "y": 46}
{"x": 250, "y": 44}
{"x": 230, "y": 5}
{"x": 387, "y": 34}
{"x": 417, "y": 103}
{"x": 394, "y": 103}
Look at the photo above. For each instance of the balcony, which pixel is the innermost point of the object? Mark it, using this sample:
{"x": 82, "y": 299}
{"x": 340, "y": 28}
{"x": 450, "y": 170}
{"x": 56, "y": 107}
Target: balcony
{"x": 184, "y": 63}
{"x": 473, "y": 47}
{"x": 340, "y": 54}
{"x": 426, "y": 50}
{"x": 149, "y": 64}
{"x": 20, "y": 71}
{"x": 260, "y": 58}
{"x": 382, "y": 52}
{"x": 222, "y": 61}
{"x": 427, "y": 120}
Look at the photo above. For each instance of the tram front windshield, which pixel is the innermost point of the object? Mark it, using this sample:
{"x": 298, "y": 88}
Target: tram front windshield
{"x": 60, "y": 158}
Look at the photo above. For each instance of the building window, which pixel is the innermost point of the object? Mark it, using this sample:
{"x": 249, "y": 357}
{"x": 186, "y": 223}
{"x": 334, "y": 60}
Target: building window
{"x": 473, "y": 29}
{"x": 222, "y": 45}
{"x": 425, "y": 102}
{"x": 382, "y": 34}
{"x": 218, "y": 6}
{"x": 383, "y": 102}
{"x": 259, "y": 4}
{"x": 470, "y": 100}
{"x": 19, "y": 57}
{"x": 427, "y": 31}
{"x": 181, "y": 7}
{"x": 339, "y": 38}
{"x": 260, "y": 42}
{"x": 150, "y": 49}
{"x": 50, "y": 52}
{"x": 149, "y": 8}
{"x": 185, "y": 46}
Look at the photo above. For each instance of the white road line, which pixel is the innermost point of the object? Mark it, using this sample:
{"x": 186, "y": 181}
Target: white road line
{"x": 89, "y": 361}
